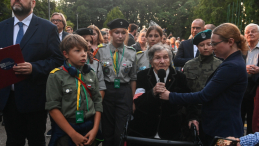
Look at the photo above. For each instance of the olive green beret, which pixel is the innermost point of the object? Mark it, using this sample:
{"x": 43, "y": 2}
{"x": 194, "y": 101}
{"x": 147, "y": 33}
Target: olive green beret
{"x": 201, "y": 36}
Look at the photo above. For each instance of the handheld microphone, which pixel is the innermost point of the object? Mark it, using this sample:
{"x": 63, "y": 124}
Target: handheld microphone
{"x": 161, "y": 75}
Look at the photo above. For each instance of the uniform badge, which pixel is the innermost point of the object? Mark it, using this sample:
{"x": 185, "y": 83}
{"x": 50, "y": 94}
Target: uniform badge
{"x": 203, "y": 35}
{"x": 106, "y": 70}
{"x": 142, "y": 68}
{"x": 67, "y": 90}
{"x": 126, "y": 70}
{"x": 124, "y": 64}
{"x": 121, "y": 22}
{"x": 91, "y": 80}
{"x": 104, "y": 64}
{"x": 89, "y": 86}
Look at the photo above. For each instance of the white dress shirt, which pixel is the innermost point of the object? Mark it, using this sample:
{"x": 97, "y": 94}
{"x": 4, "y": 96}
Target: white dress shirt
{"x": 26, "y": 22}
{"x": 195, "y": 49}
{"x": 60, "y": 35}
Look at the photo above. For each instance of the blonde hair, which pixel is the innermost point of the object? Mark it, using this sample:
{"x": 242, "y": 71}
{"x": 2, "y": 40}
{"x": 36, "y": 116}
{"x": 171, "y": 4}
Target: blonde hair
{"x": 229, "y": 30}
{"x": 63, "y": 18}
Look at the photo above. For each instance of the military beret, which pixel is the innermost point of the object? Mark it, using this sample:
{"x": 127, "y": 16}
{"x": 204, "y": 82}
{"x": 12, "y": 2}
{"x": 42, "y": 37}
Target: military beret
{"x": 84, "y": 31}
{"x": 201, "y": 36}
{"x": 118, "y": 23}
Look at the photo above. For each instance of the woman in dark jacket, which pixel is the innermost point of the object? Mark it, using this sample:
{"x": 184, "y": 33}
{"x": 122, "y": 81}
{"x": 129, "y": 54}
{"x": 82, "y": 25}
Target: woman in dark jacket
{"x": 153, "y": 117}
{"x": 222, "y": 95}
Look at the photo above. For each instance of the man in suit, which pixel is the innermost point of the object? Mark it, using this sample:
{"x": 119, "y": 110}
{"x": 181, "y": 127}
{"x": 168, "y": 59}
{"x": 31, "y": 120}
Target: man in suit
{"x": 133, "y": 28}
{"x": 187, "y": 50}
{"x": 60, "y": 21}
{"x": 23, "y": 103}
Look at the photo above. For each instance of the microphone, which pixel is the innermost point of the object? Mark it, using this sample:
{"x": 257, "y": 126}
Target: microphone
{"x": 161, "y": 75}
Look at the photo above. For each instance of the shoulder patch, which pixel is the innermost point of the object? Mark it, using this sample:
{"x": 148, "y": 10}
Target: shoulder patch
{"x": 100, "y": 46}
{"x": 140, "y": 52}
{"x": 54, "y": 70}
{"x": 95, "y": 59}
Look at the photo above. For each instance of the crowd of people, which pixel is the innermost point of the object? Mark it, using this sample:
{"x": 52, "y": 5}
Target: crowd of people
{"x": 90, "y": 81}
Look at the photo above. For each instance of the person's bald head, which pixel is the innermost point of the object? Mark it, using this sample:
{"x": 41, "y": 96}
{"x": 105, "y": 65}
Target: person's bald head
{"x": 210, "y": 26}
{"x": 197, "y": 26}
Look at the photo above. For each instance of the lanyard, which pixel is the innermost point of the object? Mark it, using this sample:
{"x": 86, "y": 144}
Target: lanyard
{"x": 117, "y": 69}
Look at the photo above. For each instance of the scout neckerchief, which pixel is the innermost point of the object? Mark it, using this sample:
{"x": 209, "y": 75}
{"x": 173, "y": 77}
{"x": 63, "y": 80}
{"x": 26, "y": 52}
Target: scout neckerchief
{"x": 116, "y": 66}
{"x": 80, "y": 113}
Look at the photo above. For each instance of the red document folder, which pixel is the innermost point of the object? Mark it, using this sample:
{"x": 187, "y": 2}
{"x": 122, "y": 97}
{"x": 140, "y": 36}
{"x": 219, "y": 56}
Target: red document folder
{"x": 9, "y": 57}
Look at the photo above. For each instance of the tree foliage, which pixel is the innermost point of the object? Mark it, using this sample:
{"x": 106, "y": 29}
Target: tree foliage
{"x": 5, "y": 10}
{"x": 113, "y": 14}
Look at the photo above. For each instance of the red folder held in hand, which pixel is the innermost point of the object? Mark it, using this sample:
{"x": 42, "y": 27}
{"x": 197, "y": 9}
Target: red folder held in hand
{"x": 9, "y": 57}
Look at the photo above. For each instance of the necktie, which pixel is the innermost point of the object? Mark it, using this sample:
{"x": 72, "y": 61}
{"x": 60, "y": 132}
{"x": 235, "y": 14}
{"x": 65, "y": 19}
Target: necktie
{"x": 20, "y": 33}
{"x": 115, "y": 61}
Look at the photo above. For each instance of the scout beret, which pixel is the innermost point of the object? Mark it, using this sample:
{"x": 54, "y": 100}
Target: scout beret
{"x": 201, "y": 36}
{"x": 84, "y": 31}
{"x": 118, "y": 23}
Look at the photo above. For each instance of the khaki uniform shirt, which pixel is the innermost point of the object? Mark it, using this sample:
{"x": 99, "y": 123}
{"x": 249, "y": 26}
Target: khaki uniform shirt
{"x": 62, "y": 94}
{"x": 142, "y": 60}
{"x": 198, "y": 70}
{"x": 128, "y": 66}
{"x": 97, "y": 67}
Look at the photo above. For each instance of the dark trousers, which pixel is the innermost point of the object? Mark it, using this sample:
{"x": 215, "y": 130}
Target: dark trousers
{"x": 247, "y": 108}
{"x": 117, "y": 105}
{"x": 20, "y": 126}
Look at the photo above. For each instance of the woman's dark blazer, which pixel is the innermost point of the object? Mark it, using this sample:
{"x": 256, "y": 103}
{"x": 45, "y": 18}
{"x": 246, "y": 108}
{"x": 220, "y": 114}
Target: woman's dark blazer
{"x": 153, "y": 114}
{"x": 221, "y": 97}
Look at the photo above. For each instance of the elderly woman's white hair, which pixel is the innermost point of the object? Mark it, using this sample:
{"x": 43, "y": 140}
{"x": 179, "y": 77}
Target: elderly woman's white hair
{"x": 157, "y": 48}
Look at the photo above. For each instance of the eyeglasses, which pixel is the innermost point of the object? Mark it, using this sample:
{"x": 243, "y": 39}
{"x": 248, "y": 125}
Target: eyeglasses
{"x": 56, "y": 20}
{"x": 215, "y": 44}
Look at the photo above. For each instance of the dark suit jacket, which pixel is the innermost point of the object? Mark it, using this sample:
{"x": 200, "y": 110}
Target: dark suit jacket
{"x": 137, "y": 47}
{"x": 131, "y": 40}
{"x": 40, "y": 47}
{"x": 64, "y": 34}
{"x": 221, "y": 97}
{"x": 184, "y": 53}
{"x": 153, "y": 114}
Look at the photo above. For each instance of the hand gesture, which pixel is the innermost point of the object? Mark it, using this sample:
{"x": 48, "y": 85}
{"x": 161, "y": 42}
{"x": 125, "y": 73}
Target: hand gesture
{"x": 252, "y": 69}
{"x": 91, "y": 137}
{"x": 164, "y": 95}
{"x": 237, "y": 139}
{"x": 23, "y": 68}
{"x": 78, "y": 139}
{"x": 196, "y": 123}
{"x": 159, "y": 88}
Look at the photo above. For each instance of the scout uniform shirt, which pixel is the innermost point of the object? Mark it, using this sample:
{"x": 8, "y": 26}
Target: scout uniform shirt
{"x": 97, "y": 67}
{"x": 127, "y": 66}
{"x": 142, "y": 60}
{"x": 62, "y": 94}
{"x": 199, "y": 69}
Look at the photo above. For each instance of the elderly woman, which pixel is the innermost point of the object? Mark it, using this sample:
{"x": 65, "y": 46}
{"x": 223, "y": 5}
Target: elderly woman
{"x": 222, "y": 95}
{"x": 153, "y": 117}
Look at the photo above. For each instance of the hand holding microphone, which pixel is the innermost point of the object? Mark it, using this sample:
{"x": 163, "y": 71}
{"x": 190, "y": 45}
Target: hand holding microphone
{"x": 160, "y": 86}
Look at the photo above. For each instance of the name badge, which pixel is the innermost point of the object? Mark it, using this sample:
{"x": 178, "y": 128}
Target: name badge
{"x": 116, "y": 83}
{"x": 79, "y": 116}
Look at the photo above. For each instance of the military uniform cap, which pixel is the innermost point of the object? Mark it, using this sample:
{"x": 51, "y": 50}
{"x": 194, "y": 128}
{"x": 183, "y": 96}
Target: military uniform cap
{"x": 118, "y": 23}
{"x": 201, "y": 36}
{"x": 84, "y": 31}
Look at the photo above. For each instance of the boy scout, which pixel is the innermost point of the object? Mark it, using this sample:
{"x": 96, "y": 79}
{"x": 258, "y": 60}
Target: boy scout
{"x": 73, "y": 97}
{"x": 87, "y": 33}
{"x": 119, "y": 68}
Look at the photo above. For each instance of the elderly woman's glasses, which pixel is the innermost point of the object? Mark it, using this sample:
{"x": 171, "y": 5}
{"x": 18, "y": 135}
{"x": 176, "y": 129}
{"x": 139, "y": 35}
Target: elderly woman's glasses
{"x": 215, "y": 44}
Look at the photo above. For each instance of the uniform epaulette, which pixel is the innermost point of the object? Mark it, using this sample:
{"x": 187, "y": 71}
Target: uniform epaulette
{"x": 54, "y": 70}
{"x": 131, "y": 48}
{"x": 95, "y": 59}
{"x": 140, "y": 52}
{"x": 100, "y": 46}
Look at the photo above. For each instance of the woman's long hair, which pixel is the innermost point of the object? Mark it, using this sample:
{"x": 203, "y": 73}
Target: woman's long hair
{"x": 100, "y": 37}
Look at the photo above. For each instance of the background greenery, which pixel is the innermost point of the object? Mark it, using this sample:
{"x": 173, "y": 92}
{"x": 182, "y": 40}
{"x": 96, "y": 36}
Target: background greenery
{"x": 174, "y": 15}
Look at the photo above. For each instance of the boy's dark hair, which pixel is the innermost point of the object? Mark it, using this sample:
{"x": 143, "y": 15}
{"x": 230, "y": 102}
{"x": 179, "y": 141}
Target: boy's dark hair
{"x": 71, "y": 41}
{"x": 132, "y": 27}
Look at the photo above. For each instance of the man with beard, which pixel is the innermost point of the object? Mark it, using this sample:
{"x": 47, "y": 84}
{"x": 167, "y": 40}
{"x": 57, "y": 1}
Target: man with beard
{"x": 23, "y": 103}
{"x": 187, "y": 50}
